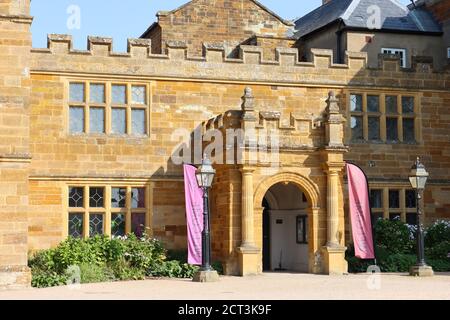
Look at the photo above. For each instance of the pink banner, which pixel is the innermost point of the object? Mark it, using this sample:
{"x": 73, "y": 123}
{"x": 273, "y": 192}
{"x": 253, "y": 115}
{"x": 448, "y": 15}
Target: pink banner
{"x": 194, "y": 215}
{"x": 360, "y": 213}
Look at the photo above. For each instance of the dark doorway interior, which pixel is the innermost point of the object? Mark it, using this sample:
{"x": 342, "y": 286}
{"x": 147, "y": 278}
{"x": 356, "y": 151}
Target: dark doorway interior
{"x": 266, "y": 236}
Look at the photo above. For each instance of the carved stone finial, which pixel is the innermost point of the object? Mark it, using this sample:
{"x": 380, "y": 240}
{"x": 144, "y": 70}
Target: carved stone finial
{"x": 248, "y": 100}
{"x": 332, "y": 103}
{"x": 248, "y": 105}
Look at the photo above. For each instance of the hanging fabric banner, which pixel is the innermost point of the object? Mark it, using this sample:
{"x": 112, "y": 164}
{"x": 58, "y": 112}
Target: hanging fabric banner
{"x": 360, "y": 212}
{"x": 194, "y": 215}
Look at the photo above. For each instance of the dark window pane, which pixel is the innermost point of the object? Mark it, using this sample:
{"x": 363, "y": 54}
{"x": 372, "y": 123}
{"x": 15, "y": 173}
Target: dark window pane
{"x": 138, "y": 198}
{"x": 76, "y": 92}
{"x": 138, "y": 224}
{"x": 97, "y": 93}
{"x": 357, "y": 128}
{"x": 138, "y": 121}
{"x": 408, "y": 130}
{"x": 76, "y": 121}
{"x": 377, "y": 216}
{"x": 76, "y": 225}
{"x": 373, "y": 103}
{"x": 394, "y": 199}
{"x": 119, "y": 94}
{"x": 376, "y": 198}
{"x": 95, "y": 224}
{"x": 97, "y": 120}
{"x": 76, "y": 197}
{"x": 391, "y": 104}
{"x": 356, "y": 102}
{"x": 408, "y": 105}
{"x": 395, "y": 216}
{"x": 117, "y": 225}
{"x": 302, "y": 229}
{"x": 96, "y": 197}
{"x": 374, "y": 128}
{"x": 118, "y": 120}
{"x": 118, "y": 196}
{"x": 391, "y": 129}
{"x": 410, "y": 199}
{"x": 411, "y": 219}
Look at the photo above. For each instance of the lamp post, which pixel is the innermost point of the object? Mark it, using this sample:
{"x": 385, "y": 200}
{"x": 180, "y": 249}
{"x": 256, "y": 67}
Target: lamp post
{"x": 205, "y": 176}
{"x": 418, "y": 179}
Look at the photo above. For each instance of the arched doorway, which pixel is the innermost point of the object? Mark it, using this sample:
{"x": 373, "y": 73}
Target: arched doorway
{"x": 285, "y": 228}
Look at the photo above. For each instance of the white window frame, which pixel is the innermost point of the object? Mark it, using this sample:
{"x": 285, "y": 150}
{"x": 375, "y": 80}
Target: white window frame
{"x": 392, "y": 51}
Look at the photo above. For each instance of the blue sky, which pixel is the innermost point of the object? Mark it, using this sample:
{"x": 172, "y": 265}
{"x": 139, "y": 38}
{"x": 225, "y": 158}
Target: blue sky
{"x": 121, "y": 19}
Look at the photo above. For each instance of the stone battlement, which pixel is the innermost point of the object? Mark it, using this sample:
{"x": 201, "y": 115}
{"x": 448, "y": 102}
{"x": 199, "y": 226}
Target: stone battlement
{"x": 217, "y": 52}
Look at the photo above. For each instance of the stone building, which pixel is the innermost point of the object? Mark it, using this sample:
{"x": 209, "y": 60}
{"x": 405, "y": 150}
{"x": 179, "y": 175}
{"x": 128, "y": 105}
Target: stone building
{"x": 91, "y": 139}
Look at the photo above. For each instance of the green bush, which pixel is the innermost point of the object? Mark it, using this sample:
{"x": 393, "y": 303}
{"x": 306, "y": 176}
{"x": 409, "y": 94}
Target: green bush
{"x": 92, "y": 273}
{"x": 395, "y": 248}
{"x": 397, "y": 262}
{"x": 100, "y": 259}
{"x": 438, "y": 233}
{"x": 393, "y": 236}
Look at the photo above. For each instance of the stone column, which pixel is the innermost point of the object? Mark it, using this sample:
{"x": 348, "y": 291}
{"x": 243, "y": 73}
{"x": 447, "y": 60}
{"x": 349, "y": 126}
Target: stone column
{"x": 334, "y": 251}
{"x": 333, "y": 207}
{"x": 248, "y": 239}
{"x": 249, "y": 254}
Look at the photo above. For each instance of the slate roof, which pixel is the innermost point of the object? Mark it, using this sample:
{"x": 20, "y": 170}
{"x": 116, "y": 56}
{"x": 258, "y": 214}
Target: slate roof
{"x": 354, "y": 14}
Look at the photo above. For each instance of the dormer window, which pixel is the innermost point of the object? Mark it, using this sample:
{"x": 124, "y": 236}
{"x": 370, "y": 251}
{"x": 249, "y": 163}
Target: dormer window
{"x": 396, "y": 51}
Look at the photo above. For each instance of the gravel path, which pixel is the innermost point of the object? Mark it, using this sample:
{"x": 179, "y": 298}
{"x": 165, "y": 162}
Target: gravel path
{"x": 269, "y": 286}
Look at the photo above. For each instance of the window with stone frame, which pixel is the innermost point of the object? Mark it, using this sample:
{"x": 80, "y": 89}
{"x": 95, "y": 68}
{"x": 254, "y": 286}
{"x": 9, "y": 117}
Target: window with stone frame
{"x": 107, "y": 210}
{"x": 383, "y": 118}
{"x": 111, "y": 108}
{"x": 393, "y": 203}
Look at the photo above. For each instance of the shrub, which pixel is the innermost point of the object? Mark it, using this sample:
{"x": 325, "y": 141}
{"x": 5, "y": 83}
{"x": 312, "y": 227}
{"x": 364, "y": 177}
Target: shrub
{"x": 100, "y": 259}
{"x": 92, "y": 273}
{"x": 397, "y": 262}
{"x": 393, "y": 236}
{"x": 437, "y": 234}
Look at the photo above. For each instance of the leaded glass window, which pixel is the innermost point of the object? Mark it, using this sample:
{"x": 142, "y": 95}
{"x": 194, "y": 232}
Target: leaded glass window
{"x": 76, "y": 120}
{"x": 373, "y": 103}
{"x": 138, "y": 198}
{"x": 391, "y": 105}
{"x": 117, "y": 224}
{"x": 411, "y": 218}
{"x": 410, "y": 199}
{"x": 138, "y": 121}
{"x": 119, "y": 94}
{"x": 97, "y": 93}
{"x": 118, "y": 197}
{"x": 394, "y": 199}
{"x": 374, "y": 128}
{"x": 96, "y": 226}
{"x": 97, "y": 120}
{"x": 77, "y": 92}
{"x": 357, "y": 128}
{"x": 96, "y": 197}
{"x": 138, "y": 94}
{"x": 356, "y": 103}
{"x": 376, "y": 198}
{"x": 108, "y": 108}
{"x": 408, "y": 105}
{"x": 76, "y": 197}
{"x": 138, "y": 224}
{"x": 391, "y": 129}
{"x": 119, "y": 120}
{"x": 76, "y": 225}
{"x": 408, "y": 130}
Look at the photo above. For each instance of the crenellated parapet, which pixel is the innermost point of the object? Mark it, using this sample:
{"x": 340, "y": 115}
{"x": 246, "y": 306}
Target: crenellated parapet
{"x": 250, "y": 64}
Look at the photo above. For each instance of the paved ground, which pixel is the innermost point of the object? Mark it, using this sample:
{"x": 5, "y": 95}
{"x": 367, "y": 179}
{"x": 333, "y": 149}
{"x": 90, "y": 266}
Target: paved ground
{"x": 267, "y": 286}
